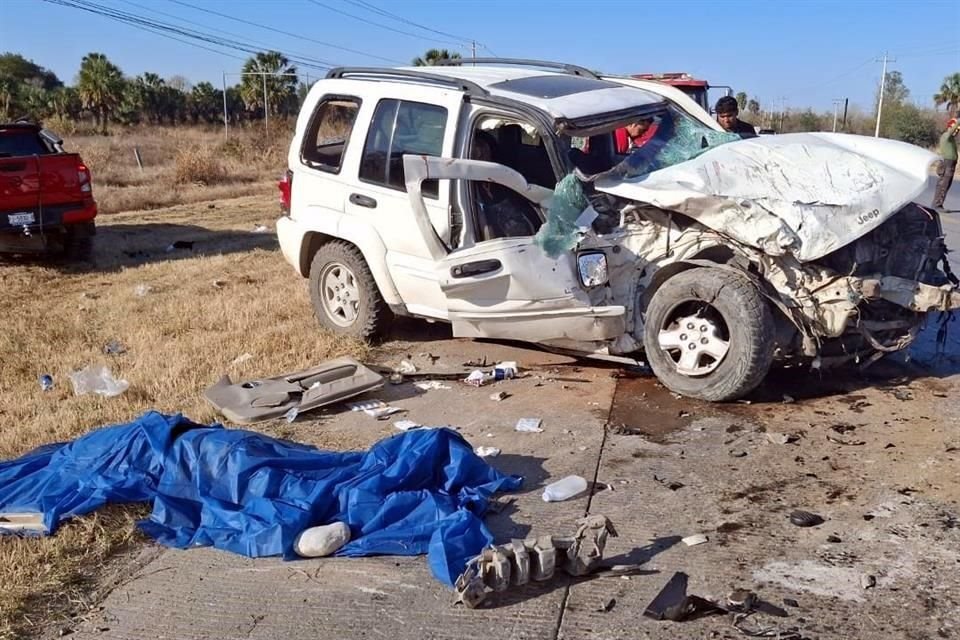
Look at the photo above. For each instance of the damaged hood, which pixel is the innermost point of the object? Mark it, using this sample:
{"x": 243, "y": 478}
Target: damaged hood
{"x": 806, "y": 194}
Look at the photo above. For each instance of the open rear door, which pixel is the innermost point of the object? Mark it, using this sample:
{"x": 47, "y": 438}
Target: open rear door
{"x": 509, "y": 288}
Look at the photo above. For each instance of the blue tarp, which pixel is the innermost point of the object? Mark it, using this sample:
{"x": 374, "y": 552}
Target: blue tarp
{"x": 423, "y": 491}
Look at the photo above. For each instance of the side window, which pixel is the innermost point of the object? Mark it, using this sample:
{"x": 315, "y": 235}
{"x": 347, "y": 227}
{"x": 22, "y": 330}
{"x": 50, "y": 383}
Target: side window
{"x": 399, "y": 128}
{"x": 328, "y": 133}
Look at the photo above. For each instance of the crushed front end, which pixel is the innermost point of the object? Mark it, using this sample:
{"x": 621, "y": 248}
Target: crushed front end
{"x": 870, "y": 297}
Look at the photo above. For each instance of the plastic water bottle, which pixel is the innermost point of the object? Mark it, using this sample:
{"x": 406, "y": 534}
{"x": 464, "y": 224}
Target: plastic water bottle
{"x": 46, "y": 382}
{"x": 564, "y": 489}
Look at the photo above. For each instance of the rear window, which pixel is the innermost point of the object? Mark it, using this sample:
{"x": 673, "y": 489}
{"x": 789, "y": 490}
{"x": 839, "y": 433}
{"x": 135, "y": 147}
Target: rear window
{"x": 328, "y": 133}
{"x": 399, "y": 128}
{"x": 15, "y": 143}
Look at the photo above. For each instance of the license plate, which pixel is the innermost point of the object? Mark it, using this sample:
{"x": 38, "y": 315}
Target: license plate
{"x": 20, "y": 219}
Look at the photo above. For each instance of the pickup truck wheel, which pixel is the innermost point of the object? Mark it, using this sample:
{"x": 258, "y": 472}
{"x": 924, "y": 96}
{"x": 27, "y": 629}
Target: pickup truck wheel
{"x": 344, "y": 294}
{"x": 709, "y": 334}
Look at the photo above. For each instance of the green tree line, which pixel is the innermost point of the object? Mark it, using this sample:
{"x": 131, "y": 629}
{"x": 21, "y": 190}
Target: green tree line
{"x": 102, "y": 94}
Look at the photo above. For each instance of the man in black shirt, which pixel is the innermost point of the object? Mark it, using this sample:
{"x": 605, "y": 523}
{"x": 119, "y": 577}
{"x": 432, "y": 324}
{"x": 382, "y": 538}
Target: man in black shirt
{"x": 727, "y": 115}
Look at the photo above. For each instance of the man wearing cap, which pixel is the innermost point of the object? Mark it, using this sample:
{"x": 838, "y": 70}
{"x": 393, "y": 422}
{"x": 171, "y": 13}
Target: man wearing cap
{"x": 728, "y": 112}
{"x": 948, "y": 161}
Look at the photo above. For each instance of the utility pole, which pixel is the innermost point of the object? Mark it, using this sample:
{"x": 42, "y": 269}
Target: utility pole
{"x": 266, "y": 107}
{"x": 783, "y": 108}
{"x": 883, "y": 83}
{"x": 836, "y": 112}
{"x": 226, "y": 135}
{"x": 473, "y": 49}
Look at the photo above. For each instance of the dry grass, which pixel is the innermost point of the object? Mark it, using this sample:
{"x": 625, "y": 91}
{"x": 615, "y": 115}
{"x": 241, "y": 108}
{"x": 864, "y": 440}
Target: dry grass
{"x": 180, "y": 338}
{"x": 180, "y": 164}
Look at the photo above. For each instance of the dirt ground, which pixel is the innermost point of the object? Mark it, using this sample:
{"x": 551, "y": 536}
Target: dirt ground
{"x": 874, "y": 454}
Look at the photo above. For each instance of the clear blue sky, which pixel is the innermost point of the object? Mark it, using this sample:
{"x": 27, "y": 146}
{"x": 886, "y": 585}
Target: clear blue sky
{"x": 806, "y": 51}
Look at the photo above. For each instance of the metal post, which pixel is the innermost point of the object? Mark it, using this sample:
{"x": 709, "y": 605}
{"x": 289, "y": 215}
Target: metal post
{"x": 883, "y": 84}
{"x": 266, "y": 106}
{"x": 225, "y": 117}
{"x": 836, "y": 106}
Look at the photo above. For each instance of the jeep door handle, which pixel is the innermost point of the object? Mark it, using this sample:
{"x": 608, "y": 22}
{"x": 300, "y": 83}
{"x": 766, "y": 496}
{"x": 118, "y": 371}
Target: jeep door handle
{"x": 363, "y": 201}
{"x": 480, "y": 267}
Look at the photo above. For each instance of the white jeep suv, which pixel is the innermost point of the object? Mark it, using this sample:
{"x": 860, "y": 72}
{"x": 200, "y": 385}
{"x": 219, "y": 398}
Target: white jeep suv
{"x": 501, "y": 196}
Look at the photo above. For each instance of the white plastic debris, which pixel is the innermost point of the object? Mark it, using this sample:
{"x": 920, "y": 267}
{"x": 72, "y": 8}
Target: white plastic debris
{"x": 499, "y": 396}
{"x": 695, "y": 539}
{"x": 406, "y": 425}
{"x": 242, "y": 358}
{"x": 406, "y": 367}
{"x": 487, "y": 452}
{"x": 431, "y": 385}
{"x": 261, "y": 228}
{"x": 97, "y": 380}
{"x": 366, "y": 404}
{"x": 505, "y": 370}
{"x": 382, "y": 412}
{"x": 317, "y": 542}
{"x": 292, "y": 414}
{"x": 477, "y": 378}
{"x": 564, "y": 489}
{"x": 142, "y": 290}
{"x": 529, "y": 425}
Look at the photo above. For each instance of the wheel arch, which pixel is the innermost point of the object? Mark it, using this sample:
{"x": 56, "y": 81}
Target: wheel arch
{"x": 370, "y": 246}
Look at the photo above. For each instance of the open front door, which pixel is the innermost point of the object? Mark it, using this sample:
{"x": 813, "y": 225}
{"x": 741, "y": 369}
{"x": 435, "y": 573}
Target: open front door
{"x": 508, "y": 287}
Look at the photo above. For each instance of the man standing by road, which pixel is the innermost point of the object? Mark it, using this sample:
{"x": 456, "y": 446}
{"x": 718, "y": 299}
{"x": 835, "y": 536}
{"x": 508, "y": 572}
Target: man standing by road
{"x": 948, "y": 161}
{"x": 728, "y": 112}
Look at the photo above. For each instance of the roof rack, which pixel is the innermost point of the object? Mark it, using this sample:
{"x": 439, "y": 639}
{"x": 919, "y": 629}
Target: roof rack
{"x": 422, "y": 76}
{"x": 571, "y": 69}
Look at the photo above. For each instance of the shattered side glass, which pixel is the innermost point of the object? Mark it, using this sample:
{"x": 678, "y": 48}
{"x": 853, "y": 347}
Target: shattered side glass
{"x": 560, "y": 232}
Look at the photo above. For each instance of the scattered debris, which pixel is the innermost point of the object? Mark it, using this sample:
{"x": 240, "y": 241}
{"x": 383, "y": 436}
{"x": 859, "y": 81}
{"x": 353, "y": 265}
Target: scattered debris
{"x": 499, "y": 396}
{"x": 564, "y": 489}
{"x": 477, "y": 378}
{"x": 868, "y": 581}
{"x": 261, "y": 228}
{"x": 790, "y": 602}
{"x": 219, "y": 284}
{"x": 487, "y": 452}
{"x": 406, "y": 367}
{"x": 805, "y": 519}
{"x": 97, "y": 380}
{"x": 241, "y": 359}
{"x": 782, "y": 438}
{"x": 269, "y": 398}
{"x": 788, "y": 399}
{"x": 858, "y": 405}
{"x": 379, "y": 409}
{"x": 431, "y": 385}
{"x": 506, "y": 370}
{"x": 669, "y": 484}
{"x": 318, "y": 542}
{"x": 834, "y": 539}
{"x": 673, "y": 603}
{"x": 291, "y": 416}
{"x": 529, "y": 425}
{"x": 607, "y": 605}
{"x": 46, "y": 382}
{"x": 396, "y": 378}
{"x": 517, "y": 563}
{"x": 843, "y": 428}
{"x": 738, "y": 453}
{"x": 406, "y": 425}
{"x": 141, "y": 290}
{"x": 695, "y": 539}
{"x": 114, "y": 348}
{"x": 89, "y": 296}
{"x": 902, "y": 394}
{"x": 851, "y": 443}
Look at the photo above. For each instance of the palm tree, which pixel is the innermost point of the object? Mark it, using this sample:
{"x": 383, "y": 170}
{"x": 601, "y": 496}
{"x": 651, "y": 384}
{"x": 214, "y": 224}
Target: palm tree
{"x": 949, "y": 94}
{"x": 742, "y": 101}
{"x": 100, "y": 84}
{"x": 753, "y": 106}
{"x": 147, "y": 90}
{"x": 433, "y": 56}
{"x": 281, "y": 82}
{"x": 205, "y": 102}
{"x": 8, "y": 96}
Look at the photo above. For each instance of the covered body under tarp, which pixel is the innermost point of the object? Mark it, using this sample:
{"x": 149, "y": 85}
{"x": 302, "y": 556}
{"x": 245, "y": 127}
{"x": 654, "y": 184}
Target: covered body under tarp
{"x": 424, "y": 491}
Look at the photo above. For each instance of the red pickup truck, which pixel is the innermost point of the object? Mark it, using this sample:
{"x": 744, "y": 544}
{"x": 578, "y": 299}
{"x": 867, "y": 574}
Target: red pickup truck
{"x": 46, "y": 196}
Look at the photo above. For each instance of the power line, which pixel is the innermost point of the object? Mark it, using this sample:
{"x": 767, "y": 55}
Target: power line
{"x": 383, "y": 12}
{"x": 229, "y": 33}
{"x": 382, "y": 26}
{"x": 157, "y": 27}
{"x": 280, "y": 31}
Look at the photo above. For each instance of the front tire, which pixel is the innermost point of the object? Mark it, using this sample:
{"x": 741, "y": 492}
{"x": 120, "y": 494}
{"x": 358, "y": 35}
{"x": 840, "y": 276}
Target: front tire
{"x": 344, "y": 294}
{"x": 709, "y": 334}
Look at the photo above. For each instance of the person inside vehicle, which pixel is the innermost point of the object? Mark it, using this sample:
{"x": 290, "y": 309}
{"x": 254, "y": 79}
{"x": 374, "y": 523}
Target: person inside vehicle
{"x": 728, "y": 117}
{"x": 501, "y": 211}
{"x": 634, "y": 135}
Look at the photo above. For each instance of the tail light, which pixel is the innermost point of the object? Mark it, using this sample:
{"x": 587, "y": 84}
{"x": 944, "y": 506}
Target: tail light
{"x": 83, "y": 175}
{"x": 286, "y": 188}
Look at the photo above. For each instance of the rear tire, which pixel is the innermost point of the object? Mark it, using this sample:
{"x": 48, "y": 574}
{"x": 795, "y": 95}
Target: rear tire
{"x": 723, "y": 313}
{"x": 345, "y": 297}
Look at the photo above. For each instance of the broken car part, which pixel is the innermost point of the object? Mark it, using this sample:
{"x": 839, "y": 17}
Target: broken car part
{"x": 536, "y": 559}
{"x": 673, "y": 603}
{"x": 805, "y": 519}
{"x": 267, "y": 398}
